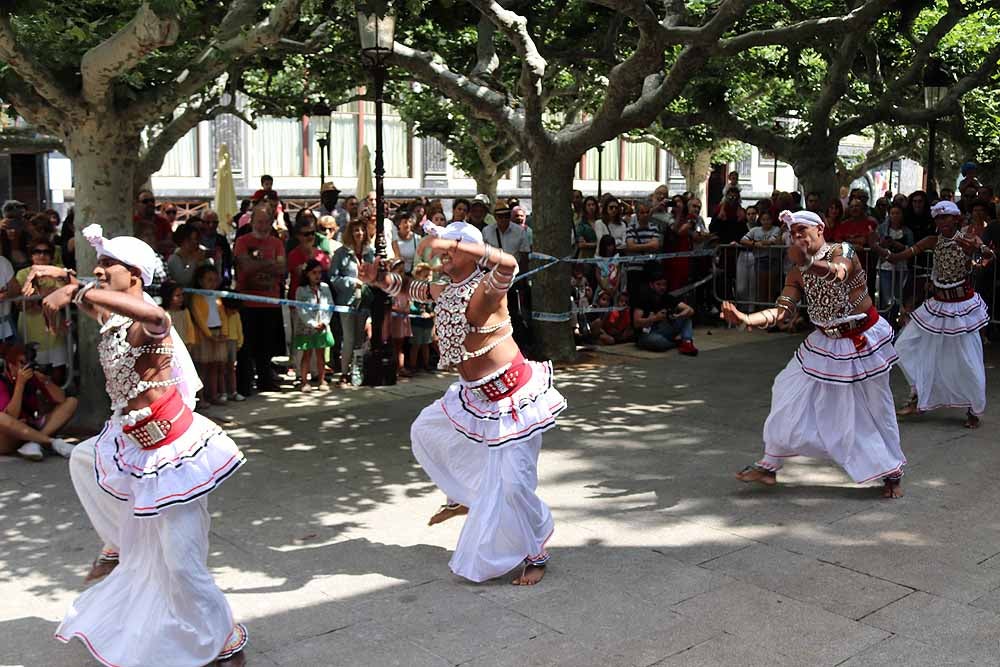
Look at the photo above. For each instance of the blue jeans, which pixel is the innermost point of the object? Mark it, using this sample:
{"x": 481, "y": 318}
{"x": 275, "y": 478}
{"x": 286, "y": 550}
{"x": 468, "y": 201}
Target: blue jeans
{"x": 892, "y": 288}
{"x": 662, "y": 334}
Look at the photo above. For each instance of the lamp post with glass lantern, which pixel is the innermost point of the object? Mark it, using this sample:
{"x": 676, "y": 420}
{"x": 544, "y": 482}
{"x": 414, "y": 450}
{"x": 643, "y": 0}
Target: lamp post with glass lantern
{"x": 377, "y": 28}
{"x": 323, "y": 139}
{"x": 600, "y": 156}
{"x": 936, "y": 83}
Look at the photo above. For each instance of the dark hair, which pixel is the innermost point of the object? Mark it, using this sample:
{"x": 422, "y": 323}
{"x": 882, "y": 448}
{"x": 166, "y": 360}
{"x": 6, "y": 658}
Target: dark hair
{"x": 460, "y": 200}
{"x": 306, "y": 268}
{"x": 606, "y": 240}
{"x": 607, "y": 203}
{"x": 839, "y": 204}
{"x": 597, "y": 206}
{"x": 167, "y": 290}
{"x": 201, "y": 271}
{"x": 184, "y": 232}
{"x": 302, "y": 214}
{"x": 979, "y": 203}
{"x": 44, "y": 242}
{"x": 266, "y": 177}
{"x": 756, "y": 210}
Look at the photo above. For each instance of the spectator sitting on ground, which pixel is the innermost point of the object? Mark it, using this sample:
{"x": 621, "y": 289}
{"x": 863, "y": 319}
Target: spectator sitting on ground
{"x": 616, "y": 326}
{"x": 33, "y": 409}
{"x": 662, "y": 321}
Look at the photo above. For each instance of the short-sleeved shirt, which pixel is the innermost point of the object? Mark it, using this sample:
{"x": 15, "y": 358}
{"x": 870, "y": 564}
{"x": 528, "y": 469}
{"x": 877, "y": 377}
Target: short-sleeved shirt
{"x": 848, "y": 229}
{"x": 641, "y": 235}
{"x": 649, "y": 302}
{"x": 512, "y": 241}
{"x": 615, "y": 230}
{"x": 760, "y": 234}
{"x": 270, "y": 248}
{"x": 30, "y": 405}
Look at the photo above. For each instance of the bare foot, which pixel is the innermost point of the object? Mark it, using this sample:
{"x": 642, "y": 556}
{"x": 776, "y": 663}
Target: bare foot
{"x": 752, "y": 474}
{"x": 971, "y": 421}
{"x": 448, "y": 512}
{"x": 530, "y": 575}
{"x": 892, "y": 489}
{"x": 235, "y": 660}
{"x": 909, "y": 409}
{"x": 99, "y": 570}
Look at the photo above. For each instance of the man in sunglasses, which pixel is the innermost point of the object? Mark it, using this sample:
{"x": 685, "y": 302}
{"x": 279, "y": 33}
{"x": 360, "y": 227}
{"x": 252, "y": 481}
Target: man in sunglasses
{"x": 147, "y": 220}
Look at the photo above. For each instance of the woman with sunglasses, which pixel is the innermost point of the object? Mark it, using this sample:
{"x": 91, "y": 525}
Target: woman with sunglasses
{"x": 50, "y": 346}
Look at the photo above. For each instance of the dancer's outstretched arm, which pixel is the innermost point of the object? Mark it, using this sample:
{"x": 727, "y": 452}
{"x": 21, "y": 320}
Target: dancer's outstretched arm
{"x": 97, "y": 303}
{"x": 924, "y": 244}
{"x": 785, "y": 306}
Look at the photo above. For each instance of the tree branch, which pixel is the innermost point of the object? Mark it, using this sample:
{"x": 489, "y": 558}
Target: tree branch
{"x": 835, "y": 80}
{"x": 796, "y": 32}
{"x": 118, "y": 54}
{"x": 486, "y": 52}
{"x": 876, "y": 156}
{"x": 485, "y": 102}
{"x": 219, "y": 56}
{"x": 34, "y": 73}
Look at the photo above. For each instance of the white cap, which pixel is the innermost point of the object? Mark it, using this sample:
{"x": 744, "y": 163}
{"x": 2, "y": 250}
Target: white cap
{"x": 945, "y": 208}
{"x": 462, "y": 231}
{"x": 480, "y": 199}
{"x": 128, "y": 250}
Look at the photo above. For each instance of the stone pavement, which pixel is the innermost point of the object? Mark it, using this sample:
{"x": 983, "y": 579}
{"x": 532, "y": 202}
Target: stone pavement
{"x": 660, "y": 556}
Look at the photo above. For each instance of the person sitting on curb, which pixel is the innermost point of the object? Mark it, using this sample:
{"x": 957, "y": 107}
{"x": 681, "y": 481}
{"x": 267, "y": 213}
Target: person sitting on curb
{"x": 32, "y": 408}
{"x": 662, "y": 322}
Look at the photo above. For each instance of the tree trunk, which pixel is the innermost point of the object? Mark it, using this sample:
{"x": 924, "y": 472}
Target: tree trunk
{"x": 818, "y": 173}
{"x": 696, "y": 175}
{"x": 103, "y": 167}
{"x": 486, "y": 184}
{"x": 551, "y": 193}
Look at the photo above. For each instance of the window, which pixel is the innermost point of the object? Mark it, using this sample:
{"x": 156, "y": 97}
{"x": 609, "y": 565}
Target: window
{"x": 182, "y": 160}
{"x": 640, "y": 161}
{"x": 609, "y": 162}
{"x": 395, "y": 140}
{"x": 275, "y": 147}
{"x": 343, "y": 149}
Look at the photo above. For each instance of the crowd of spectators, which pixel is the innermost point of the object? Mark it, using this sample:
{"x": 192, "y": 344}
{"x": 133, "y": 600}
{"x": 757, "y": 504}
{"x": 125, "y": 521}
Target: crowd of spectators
{"x": 620, "y": 291}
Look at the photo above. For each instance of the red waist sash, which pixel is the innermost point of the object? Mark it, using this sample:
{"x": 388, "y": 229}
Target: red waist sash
{"x": 954, "y": 294}
{"x": 854, "y": 329}
{"x": 169, "y": 420}
{"x": 506, "y": 383}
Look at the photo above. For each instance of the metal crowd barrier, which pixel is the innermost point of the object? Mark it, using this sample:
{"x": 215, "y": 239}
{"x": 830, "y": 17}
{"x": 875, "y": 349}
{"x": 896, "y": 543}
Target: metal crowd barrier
{"x": 755, "y": 278}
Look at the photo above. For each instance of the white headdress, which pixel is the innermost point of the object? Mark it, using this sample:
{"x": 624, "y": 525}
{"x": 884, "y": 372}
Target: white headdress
{"x": 128, "y": 250}
{"x": 800, "y": 218}
{"x": 945, "y": 208}
{"x": 462, "y": 231}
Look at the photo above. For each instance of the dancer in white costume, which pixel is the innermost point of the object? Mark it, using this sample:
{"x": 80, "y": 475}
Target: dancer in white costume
{"x": 833, "y": 399}
{"x": 940, "y": 350}
{"x": 157, "y": 461}
{"x": 480, "y": 441}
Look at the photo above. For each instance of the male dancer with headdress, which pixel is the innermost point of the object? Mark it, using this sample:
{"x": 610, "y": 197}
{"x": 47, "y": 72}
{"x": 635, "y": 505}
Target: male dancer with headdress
{"x": 480, "y": 441}
{"x": 833, "y": 399}
{"x": 940, "y": 350}
{"x": 157, "y": 460}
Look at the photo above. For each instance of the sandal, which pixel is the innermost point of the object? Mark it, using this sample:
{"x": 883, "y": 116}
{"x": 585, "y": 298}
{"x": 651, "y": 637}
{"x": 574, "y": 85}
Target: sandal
{"x": 758, "y": 473}
{"x": 892, "y": 489}
{"x": 971, "y": 421}
{"x": 539, "y": 564}
{"x": 448, "y": 511}
{"x": 909, "y": 408}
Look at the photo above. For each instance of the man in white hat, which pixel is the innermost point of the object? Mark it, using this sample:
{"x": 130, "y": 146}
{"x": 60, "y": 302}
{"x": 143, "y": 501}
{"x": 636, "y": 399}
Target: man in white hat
{"x": 144, "y": 479}
{"x": 833, "y": 399}
{"x": 479, "y": 215}
{"x": 940, "y": 350}
{"x": 480, "y": 441}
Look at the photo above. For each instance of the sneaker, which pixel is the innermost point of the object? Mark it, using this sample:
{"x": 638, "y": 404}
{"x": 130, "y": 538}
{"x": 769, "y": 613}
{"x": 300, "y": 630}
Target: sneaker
{"x": 222, "y": 399}
{"x": 687, "y": 348}
{"x": 31, "y": 451}
{"x": 239, "y": 398}
{"x": 62, "y": 448}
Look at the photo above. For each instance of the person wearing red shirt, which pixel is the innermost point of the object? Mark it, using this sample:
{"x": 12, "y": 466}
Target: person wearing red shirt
{"x": 303, "y": 252}
{"x": 260, "y": 267}
{"x": 146, "y": 218}
{"x": 857, "y": 227}
{"x": 266, "y": 190}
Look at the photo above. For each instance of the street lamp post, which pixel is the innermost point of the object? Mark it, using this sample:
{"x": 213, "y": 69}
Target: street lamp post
{"x": 377, "y": 27}
{"x": 936, "y": 83}
{"x": 323, "y": 139}
{"x": 600, "y": 159}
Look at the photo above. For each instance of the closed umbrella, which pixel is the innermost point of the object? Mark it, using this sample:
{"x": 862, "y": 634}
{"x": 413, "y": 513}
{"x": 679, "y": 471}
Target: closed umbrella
{"x": 364, "y": 173}
{"x": 225, "y": 191}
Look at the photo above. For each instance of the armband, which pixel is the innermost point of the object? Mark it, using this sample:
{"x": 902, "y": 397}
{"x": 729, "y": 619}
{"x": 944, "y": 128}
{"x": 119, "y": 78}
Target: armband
{"x": 164, "y": 333}
{"x": 420, "y": 290}
{"x": 786, "y": 303}
{"x": 489, "y": 259}
{"x": 395, "y": 284}
{"x": 81, "y": 292}
{"x": 499, "y": 281}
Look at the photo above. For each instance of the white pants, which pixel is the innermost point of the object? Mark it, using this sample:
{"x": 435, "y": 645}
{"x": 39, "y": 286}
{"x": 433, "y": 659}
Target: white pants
{"x": 103, "y": 511}
{"x": 507, "y": 521}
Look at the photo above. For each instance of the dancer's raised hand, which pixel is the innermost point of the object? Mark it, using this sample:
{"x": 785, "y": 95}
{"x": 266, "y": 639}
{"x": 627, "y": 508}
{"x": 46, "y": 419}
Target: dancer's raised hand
{"x": 731, "y": 314}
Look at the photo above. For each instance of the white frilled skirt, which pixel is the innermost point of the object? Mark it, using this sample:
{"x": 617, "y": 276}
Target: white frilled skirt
{"x": 160, "y": 605}
{"x": 484, "y": 455}
{"x": 941, "y": 354}
{"x": 833, "y": 401}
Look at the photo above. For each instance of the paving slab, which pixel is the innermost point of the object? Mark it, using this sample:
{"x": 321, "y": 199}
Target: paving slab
{"x": 660, "y": 557}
